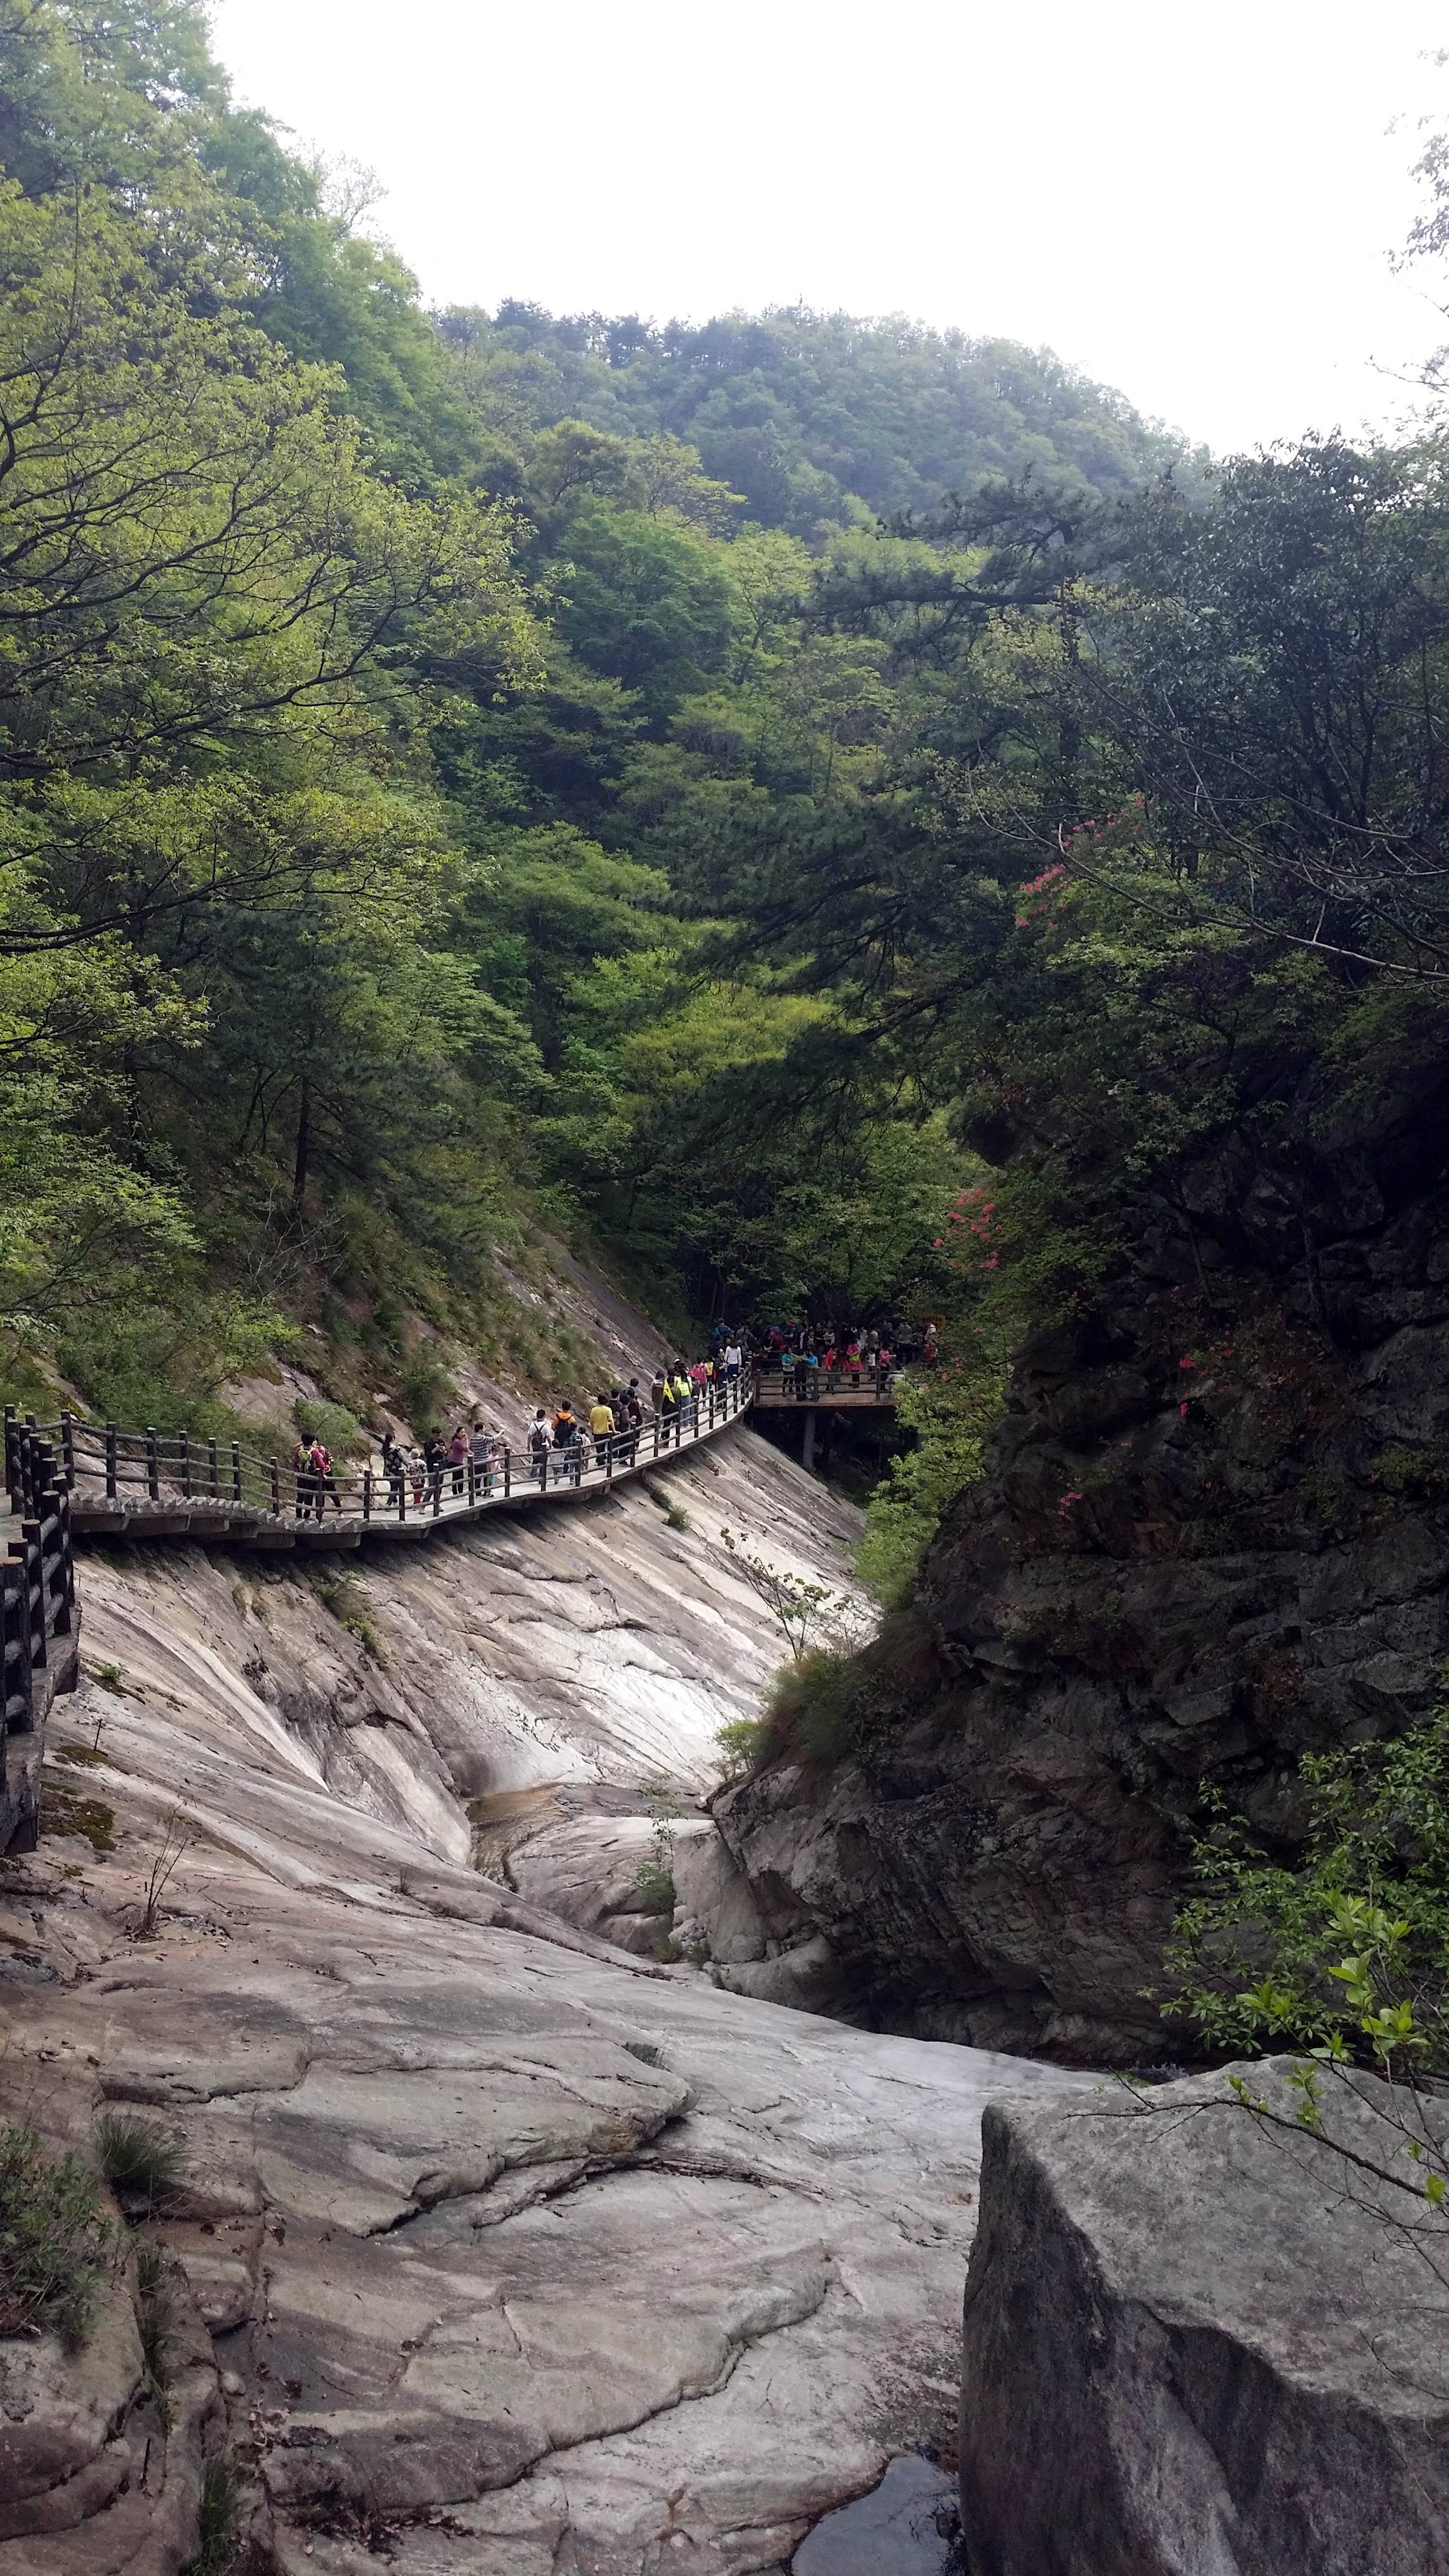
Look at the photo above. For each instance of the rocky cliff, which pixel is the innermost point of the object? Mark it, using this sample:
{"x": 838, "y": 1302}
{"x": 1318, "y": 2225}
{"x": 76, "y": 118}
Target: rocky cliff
{"x": 1214, "y": 1532}
{"x": 495, "y": 2249}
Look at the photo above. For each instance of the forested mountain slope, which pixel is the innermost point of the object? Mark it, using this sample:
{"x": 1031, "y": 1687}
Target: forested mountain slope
{"x": 412, "y": 737}
{"x": 809, "y": 416}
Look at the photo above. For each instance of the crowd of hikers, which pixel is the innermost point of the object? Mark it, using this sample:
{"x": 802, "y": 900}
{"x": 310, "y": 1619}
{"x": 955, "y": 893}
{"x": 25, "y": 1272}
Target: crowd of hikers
{"x": 811, "y": 1360}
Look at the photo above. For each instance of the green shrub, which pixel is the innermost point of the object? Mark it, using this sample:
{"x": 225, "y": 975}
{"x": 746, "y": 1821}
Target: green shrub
{"x": 219, "y": 2519}
{"x": 55, "y": 2239}
{"x": 337, "y": 1429}
{"x": 951, "y": 1411}
{"x": 426, "y": 1390}
{"x": 655, "y": 1882}
{"x": 156, "y": 2320}
{"x": 741, "y": 1742}
{"x": 140, "y": 2160}
{"x": 1346, "y": 1954}
{"x": 814, "y": 1708}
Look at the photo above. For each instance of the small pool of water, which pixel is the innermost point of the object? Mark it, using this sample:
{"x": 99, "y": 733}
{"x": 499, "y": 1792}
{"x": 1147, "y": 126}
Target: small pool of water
{"x": 907, "y": 2526}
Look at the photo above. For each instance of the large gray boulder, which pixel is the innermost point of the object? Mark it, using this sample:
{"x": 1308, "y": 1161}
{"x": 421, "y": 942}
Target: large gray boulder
{"x": 1200, "y": 2341}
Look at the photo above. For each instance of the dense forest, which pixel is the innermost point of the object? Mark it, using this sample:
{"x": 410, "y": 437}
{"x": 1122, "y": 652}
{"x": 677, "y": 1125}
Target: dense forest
{"x": 823, "y": 813}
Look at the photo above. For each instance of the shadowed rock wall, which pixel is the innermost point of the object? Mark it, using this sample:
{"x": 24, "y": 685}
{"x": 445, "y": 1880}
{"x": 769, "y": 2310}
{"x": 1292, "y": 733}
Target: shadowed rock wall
{"x": 1214, "y": 1533}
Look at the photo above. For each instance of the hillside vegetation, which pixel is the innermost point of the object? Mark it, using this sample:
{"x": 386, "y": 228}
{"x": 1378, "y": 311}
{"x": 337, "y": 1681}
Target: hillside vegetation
{"x": 828, "y": 813}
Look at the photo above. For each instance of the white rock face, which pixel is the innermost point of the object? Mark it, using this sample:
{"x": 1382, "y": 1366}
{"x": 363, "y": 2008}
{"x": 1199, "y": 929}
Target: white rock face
{"x": 517, "y": 2252}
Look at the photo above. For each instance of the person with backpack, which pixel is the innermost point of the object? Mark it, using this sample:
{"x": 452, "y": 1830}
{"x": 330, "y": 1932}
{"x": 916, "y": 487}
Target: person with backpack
{"x": 325, "y": 1482}
{"x": 305, "y": 1475}
{"x": 392, "y": 1468}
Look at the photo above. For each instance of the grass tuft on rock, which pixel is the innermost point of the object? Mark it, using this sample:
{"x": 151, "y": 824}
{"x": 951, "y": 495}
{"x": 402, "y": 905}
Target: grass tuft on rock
{"x": 220, "y": 2518}
{"x": 140, "y": 2160}
{"x": 56, "y": 2241}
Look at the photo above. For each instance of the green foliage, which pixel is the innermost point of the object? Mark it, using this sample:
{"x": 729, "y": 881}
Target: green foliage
{"x": 741, "y": 1742}
{"x": 1346, "y": 1953}
{"x": 90, "y": 1819}
{"x": 337, "y": 1429}
{"x": 219, "y": 2519}
{"x": 813, "y": 1708}
{"x": 156, "y": 2318}
{"x": 347, "y": 1602}
{"x": 808, "y": 1615}
{"x": 142, "y": 2161}
{"x": 951, "y": 1412}
{"x": 56, "y": 2244}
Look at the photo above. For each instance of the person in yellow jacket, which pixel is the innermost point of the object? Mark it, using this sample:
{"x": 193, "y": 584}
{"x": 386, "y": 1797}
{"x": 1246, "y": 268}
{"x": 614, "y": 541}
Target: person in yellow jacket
{"x": 601, "y": 1423}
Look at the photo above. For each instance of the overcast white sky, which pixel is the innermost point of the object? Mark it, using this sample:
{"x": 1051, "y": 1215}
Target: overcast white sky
{"x": 1195, "y": 205}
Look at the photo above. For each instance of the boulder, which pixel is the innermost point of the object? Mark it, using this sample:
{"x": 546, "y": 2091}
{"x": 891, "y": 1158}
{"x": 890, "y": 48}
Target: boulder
{"x": 1203, "y": 2340}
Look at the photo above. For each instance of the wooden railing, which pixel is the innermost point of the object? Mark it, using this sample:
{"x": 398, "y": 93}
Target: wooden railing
{"x": 799, "y": 1384}
{"x": 159, "y": 1483}
{"x": 39, "y": 1624}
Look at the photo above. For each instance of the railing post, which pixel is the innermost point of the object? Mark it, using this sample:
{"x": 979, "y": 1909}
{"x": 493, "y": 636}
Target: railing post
{"x": 437, "y": 1491}
{"x": 111, "y": 1460}
{"x": 12, "y": 1452}
{"x": 153, "y": 1465}
{"x": 274, "y": 1465}
{"x": 402, "y": 1493}
{"x": 609, "y": 1458}
{"x": 67, "y": 1445}
{"x": 367, "y": 1493}
{"x": 211, "y": 1471}
{"x": 472, "y": 1480}
{"x": 507, "y": 1471}
{"x": 29, "y": 1553}
{"x": 186, "y": 1464}
{"x": 64, "y": 1593}
{"x": 236, "y": 1473}
{"x": 543, "y": 1474}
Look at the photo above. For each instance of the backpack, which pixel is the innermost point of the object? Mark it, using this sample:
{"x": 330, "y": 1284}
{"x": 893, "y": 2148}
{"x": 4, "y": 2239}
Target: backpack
{"x": 538, "y": 1437}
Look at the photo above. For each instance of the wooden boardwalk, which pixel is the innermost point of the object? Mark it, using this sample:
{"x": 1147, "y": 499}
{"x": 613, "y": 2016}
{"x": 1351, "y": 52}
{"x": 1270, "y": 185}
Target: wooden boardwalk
{"x": 153, "y": 1485}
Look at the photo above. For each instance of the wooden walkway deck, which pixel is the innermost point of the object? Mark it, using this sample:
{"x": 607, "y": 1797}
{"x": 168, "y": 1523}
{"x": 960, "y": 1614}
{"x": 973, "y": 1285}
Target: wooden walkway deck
{"x": 150, "y": 1485}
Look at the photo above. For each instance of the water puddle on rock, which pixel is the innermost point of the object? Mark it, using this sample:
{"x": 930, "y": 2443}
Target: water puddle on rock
{"x": 907, "y": 2526}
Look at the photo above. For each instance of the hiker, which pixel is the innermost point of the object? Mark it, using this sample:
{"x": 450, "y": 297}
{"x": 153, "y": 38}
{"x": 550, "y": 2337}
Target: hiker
{"x": 830, "y": 1361}
{"x": 305, "y": 1475}
{"x": 852, "y": 1360}
{"x": 734, "y": 1358}
{"x": 633, "y": 1410}
{"x": 435, "y": 1459}
{"x": 326, "y": 1482}
{"x": 458, "y": 1457}
{"x": 539, "y": 1444}
{"x": 568, "y": 1436}
{"x": 658, "y": 1389}
{"x": 603, "y": 1426}
{"x": 418, "y": 1473}
{"x": 883, "y": 1370}
{"x": 482, "y": 1449}
{"x": 392, "y": 1468}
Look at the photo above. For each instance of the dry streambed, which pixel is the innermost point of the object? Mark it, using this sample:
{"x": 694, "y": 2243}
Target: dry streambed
{"x": 494, "y": 2249}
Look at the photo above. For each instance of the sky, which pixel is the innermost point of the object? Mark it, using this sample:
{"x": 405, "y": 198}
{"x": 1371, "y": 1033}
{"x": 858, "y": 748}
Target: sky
{"x": 1195, "y": 205}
